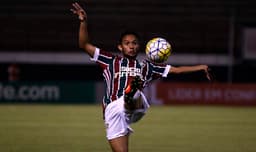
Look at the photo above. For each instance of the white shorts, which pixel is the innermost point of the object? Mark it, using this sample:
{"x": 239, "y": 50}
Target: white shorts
{"x": 117, "y": 121}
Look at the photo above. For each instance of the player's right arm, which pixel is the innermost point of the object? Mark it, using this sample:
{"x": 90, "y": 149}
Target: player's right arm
{"x": 83, "y": 32}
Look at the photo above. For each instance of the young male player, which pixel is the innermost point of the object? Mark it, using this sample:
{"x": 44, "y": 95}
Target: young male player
{"x": 124, "y": 77}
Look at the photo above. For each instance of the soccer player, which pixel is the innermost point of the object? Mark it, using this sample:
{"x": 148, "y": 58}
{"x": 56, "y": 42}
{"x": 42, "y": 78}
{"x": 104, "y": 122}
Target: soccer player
{"x": 125, "y": 77}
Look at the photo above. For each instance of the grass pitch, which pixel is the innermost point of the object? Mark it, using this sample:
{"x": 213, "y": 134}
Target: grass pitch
{"x": 80, "y": 128}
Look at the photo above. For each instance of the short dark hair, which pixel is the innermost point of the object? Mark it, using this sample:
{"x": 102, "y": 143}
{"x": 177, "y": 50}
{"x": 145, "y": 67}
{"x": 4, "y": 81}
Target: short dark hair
{"x": 128, "y": 33}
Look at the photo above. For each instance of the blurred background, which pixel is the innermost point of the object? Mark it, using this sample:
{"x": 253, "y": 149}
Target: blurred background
{"x": 39, "y": 39}
{"x": 40, "y": 62}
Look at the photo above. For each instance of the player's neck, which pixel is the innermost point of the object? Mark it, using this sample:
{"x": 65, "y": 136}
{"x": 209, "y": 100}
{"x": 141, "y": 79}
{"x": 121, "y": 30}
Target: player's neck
{"x": 130, "y": 57}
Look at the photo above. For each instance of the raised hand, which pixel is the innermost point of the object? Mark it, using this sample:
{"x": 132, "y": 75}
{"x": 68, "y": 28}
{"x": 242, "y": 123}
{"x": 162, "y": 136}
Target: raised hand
{"x": 78, "y": 10}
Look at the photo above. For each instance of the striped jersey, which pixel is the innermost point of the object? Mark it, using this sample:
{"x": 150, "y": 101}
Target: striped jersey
{"x": 119, "y": 71}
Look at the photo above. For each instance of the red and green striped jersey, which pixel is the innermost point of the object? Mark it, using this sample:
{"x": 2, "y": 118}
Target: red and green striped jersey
{"x": 118, "y": 72}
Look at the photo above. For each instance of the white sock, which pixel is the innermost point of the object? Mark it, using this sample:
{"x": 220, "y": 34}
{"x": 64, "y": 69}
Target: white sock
{"x": 137, "y": 95}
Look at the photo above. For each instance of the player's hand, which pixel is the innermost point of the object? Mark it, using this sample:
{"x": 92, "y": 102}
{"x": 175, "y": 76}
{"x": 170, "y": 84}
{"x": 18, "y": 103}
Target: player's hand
{"x": 78, "y": 10}
{"x": 209, "y": 74}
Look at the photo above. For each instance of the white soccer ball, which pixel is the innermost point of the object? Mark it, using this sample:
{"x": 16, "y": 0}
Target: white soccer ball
{"x": 158, "y": 50}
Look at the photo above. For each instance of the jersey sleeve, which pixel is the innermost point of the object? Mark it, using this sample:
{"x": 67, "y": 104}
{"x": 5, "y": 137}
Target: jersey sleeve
{"x": 102, "y": 57}
{"x": 166, "y": 71}
{"x": 152, "y": 71}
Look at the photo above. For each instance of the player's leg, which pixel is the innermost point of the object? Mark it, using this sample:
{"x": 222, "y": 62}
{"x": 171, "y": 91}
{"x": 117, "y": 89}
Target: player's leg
{"x": 139, "y": 112}
{"x": 117, "y": 127}
{"x": 132, "y": 94}
{"x": 136, "y": 103}
{"x": 119, "y": 144}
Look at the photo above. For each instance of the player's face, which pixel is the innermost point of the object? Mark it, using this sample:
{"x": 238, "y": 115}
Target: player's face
{"x": 129, "y": 46}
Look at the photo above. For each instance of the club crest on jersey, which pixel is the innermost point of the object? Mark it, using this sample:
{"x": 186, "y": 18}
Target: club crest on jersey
{"x": 128, "y": 71}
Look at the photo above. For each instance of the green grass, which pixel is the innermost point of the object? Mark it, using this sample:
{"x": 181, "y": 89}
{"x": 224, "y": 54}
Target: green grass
{"x": 80, "y": 128}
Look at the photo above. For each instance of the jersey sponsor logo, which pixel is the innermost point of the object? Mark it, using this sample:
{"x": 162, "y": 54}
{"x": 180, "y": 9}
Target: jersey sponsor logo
{"x": 128, "y": 71}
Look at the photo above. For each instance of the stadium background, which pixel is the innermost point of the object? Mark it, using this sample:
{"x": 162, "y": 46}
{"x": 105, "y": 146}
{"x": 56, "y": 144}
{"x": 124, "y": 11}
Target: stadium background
{"x": 41, "y": 38}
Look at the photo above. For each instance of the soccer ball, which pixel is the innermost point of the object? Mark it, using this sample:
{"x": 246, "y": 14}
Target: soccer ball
{"x": 158, "y": 50}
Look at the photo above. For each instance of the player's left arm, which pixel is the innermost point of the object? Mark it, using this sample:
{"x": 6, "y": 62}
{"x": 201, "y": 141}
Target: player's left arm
{"x": 188, "y": 69}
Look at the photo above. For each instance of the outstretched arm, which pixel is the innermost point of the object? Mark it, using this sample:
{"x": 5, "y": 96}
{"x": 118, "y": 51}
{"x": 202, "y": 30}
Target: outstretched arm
{"x": 187, "y": 69}
{"x": 83, "y": 32}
